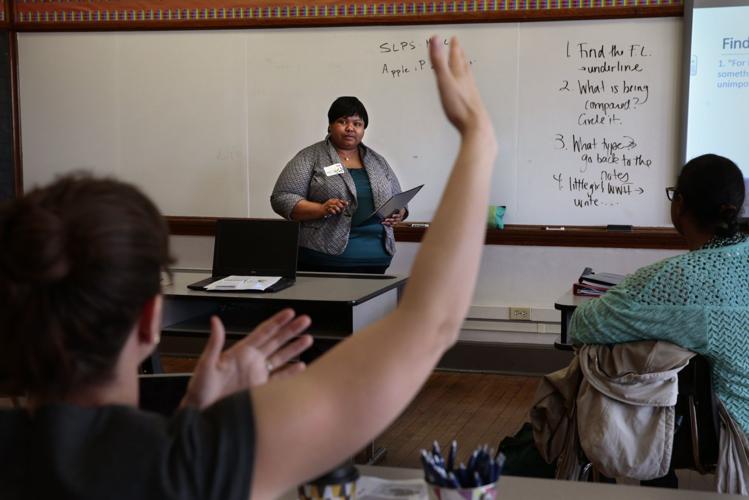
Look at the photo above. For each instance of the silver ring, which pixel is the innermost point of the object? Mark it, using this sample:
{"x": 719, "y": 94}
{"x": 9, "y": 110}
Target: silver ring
{"x": 268, "y": 366}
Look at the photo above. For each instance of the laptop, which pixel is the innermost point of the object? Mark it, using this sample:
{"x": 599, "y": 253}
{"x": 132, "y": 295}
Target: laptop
{"x": 253, "y": 247}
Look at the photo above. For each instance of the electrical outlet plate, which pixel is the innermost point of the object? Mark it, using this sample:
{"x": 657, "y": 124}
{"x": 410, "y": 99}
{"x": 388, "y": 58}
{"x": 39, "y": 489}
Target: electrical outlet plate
{"x": 520, "y": 313}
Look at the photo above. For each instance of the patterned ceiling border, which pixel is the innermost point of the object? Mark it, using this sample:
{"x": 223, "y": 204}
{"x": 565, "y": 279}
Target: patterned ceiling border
{"x": 158, "y": 14}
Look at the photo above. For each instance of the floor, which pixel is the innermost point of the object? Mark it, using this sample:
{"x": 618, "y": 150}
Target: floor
{"x": 471, "y": 408}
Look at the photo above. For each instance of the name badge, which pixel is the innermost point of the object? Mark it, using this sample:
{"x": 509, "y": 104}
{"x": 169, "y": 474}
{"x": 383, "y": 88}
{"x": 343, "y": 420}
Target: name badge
{"x": 334, "y": 169}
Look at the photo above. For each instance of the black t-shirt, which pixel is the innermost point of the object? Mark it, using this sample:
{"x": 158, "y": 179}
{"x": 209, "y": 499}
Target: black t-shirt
{"x": 118, "y": 452}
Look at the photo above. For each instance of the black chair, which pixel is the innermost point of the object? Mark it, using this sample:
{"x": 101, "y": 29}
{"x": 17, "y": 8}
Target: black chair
{"x": 162, "y": 392}
{"x": 697, "y": 440}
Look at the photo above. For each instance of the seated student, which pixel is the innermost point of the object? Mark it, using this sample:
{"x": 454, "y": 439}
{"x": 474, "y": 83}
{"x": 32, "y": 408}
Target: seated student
{"x": 80, "y": 263}
{"x": 698, "y": 300}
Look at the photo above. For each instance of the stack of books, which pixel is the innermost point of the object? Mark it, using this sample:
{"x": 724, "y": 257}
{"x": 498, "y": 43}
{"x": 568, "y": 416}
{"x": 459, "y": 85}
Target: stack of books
{"x": 592, "y": 284}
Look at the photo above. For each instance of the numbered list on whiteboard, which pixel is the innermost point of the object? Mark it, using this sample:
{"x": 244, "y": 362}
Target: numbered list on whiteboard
{"x": 607, "y": 85}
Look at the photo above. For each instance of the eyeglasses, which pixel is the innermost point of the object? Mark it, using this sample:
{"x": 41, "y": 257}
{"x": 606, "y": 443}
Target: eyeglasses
{"x": 670, "y": 193}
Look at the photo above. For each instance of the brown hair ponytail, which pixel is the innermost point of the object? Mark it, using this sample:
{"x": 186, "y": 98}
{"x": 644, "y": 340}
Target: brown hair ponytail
{"x": 78, "y": 259}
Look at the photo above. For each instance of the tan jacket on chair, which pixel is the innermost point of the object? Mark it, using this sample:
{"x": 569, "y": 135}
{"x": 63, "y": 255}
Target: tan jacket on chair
{"x": 616, "y": 405}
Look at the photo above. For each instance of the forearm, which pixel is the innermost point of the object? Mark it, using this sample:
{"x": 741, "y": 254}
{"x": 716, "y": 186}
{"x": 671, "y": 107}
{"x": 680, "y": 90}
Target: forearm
{"x": 454, "y": 241}
{"x": 619, "y": 317}
{"x": 605, "y": 320}
{"x": 307, "y": 210}
{"x": 335, "y": 415}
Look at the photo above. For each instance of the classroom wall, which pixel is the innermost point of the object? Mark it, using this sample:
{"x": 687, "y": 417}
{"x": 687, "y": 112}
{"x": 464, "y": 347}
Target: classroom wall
{"x": 520, "y": 276}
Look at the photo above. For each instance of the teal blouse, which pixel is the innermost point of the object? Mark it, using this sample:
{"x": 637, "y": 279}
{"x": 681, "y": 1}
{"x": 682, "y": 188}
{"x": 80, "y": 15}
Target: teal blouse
{"x": 698, "y": 300}
{"x": 366, "y": 243}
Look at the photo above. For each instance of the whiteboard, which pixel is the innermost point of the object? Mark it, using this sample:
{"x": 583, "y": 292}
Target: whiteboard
{"x": 204, "y": 121}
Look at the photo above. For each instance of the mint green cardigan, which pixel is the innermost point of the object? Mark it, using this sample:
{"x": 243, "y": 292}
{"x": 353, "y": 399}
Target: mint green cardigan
{"x": 698, "y": 300}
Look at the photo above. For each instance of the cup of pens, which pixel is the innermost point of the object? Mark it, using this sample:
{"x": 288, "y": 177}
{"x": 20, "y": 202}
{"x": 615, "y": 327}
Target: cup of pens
{"x": 476, "y": 480}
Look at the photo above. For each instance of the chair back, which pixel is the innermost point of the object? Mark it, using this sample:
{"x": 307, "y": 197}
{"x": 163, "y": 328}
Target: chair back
{"x": 162, "y": 393}
{"x": 696, "y": 441}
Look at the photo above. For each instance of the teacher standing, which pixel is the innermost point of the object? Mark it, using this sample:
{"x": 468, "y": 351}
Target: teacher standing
{"x": 332, "y": 187}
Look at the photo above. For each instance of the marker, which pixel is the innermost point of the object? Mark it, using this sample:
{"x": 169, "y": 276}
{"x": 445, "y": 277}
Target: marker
{"x": 552, "y": 228}
{"x": 419, "y": 225}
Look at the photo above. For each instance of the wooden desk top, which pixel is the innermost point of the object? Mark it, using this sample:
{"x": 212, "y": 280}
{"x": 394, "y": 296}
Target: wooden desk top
{"x": 353, "y": 289}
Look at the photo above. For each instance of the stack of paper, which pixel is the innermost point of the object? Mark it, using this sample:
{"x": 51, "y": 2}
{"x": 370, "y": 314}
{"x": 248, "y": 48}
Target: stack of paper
{"x": 244, "y": 283}
{"x": 373, "y": 488}
{"x": 588, "y": 290}
{"x": 594, "y": 284}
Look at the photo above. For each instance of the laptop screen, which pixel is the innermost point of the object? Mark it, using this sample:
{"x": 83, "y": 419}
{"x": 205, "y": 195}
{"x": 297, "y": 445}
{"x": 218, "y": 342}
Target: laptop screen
{"x": 255, "y": 247}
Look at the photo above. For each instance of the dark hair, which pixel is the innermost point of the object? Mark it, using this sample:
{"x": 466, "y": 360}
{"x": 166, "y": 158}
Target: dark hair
{"x": 712, "y": 188}
{"x": 78, "y": 261}
{"x": 346, "y": 106}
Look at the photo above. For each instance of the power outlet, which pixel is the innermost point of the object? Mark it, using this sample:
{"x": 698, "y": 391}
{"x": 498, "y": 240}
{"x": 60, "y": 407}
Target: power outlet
{"x": 520, "y": 313}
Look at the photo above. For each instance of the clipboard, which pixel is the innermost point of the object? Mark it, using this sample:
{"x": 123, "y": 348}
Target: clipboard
{"x": 396, "y": 202}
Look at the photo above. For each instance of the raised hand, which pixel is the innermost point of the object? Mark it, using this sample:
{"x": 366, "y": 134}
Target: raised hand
{"x": 458, "y": 92}
{"x": 262, "y": 354}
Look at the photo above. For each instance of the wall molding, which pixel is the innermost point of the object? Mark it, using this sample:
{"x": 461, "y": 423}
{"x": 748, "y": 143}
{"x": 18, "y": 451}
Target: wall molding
{"x": 504, "y": 358}
{"x": 522, "y": 235}
{"x": 85, "y": 15}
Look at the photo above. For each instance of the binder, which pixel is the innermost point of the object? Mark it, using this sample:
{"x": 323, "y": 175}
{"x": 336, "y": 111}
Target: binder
{"x": 590, "y": 277}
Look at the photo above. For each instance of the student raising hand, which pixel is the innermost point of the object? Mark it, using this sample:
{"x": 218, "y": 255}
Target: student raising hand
{"x": 458, "y": 92}
{"x": 263, "y": 353}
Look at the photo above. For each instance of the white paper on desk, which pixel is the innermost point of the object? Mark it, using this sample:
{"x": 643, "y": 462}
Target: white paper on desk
{"x": 375, "y": 488}
{"x": 244, "y": 283}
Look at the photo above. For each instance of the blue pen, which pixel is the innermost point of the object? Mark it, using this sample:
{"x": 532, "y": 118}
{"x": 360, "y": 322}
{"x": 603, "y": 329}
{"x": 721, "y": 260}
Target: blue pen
{"x": 495, "y": 472}
{"x": 462, "y": 476}
{"x": 478, "y": 466}
{"x": 453, "y": 481}
{"x": 451, "y": 455}
{"x": 441, "y": 476}
{"x": 487, "y": 466}
{"x": 472, "y": 460}
{"x": 428, "y": 471}
{"x": 476, "y": 479}
{"x": 437, "y": 453}
{"x": 499, "y": 463}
